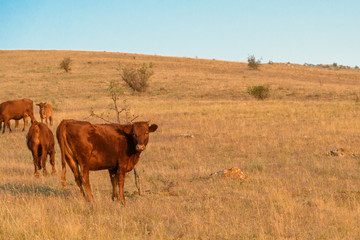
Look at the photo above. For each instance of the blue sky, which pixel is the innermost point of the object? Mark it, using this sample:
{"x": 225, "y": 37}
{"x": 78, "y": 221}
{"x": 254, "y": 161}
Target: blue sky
{"x": 297, "y": 31}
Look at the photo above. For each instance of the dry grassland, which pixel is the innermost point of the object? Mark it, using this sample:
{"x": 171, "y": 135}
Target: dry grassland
{"x": 294, "y": 190}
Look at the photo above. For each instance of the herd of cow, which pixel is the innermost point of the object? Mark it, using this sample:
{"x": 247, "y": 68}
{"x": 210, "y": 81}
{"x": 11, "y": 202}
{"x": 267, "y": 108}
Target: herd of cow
{"x": 84, "y": 146}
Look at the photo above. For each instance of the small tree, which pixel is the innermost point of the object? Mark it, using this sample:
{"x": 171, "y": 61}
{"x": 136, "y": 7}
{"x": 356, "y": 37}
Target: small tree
{"x": 114, "y": 91}
{"x": 259, "y": 92}
{"x": 65, "y": 64}
{"x": 137, "y": 78}
{"x": 253, "y": 64}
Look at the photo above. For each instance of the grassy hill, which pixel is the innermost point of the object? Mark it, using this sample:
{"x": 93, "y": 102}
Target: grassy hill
{"x": 294, "y": 188}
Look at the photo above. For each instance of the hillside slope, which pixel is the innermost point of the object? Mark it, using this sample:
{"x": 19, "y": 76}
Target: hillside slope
{"x": 294, "y": 188}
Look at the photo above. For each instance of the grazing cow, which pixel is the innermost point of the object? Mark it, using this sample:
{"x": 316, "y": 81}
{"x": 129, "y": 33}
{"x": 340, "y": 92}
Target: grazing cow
{"x": 40, "y": 141}
{"x": 46, "y": 112}
{"x": 90, "y": 147}
{"x": 16, "y": 109}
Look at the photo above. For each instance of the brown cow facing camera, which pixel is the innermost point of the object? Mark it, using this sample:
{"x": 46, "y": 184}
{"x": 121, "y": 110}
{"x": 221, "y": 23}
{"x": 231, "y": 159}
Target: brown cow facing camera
{"x": 90, "y": 147}
{"x": 46, "y": 112}
{"x": 40, "y": 141}
{"x": 16, "y": 109}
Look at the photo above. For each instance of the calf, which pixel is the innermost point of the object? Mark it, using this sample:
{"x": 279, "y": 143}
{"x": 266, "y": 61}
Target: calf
{"x": 46, "y": 112}
{"x": 40, "y": 141}
{"x": 90, "y": 147}
{"x": 16, "y": 109}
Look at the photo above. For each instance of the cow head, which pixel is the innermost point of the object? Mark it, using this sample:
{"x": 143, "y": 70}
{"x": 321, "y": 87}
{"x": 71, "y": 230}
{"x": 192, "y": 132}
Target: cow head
{"x": 140, "y": 133}
{"x": 34, "y": 131}
{"x": 42, "y": 108}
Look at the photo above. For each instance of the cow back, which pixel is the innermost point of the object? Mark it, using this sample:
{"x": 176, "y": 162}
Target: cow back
{"x": 17, "y": 109}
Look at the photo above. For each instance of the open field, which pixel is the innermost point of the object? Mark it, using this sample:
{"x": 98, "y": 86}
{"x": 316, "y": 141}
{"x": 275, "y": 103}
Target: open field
{"x": 293, "y": 190}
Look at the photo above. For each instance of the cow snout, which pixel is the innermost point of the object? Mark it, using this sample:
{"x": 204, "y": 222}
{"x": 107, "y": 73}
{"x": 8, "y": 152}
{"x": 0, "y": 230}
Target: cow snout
{"x": 140, "y": 148}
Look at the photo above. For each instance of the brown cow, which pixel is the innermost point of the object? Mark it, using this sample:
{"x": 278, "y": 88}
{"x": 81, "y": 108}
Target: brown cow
{"x": 40, "y": 141}
{"x": 16, "y": 109}
{"x": 90, "y": 147}
{"x": 46, "y": 112}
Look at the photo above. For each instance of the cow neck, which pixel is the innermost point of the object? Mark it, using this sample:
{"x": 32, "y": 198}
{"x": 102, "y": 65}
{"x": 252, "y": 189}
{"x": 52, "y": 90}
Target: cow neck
{"x": 133, "y": 160}
{"x": 133, "y": 155}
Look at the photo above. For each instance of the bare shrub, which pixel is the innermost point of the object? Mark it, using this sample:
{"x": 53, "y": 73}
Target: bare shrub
{"x": 137, "y": 78}
{"x": 259, "y": 92}
{"x": 65, "y": 64}
{"x": 114, "y": 91}
{"x": 253, "y": 64}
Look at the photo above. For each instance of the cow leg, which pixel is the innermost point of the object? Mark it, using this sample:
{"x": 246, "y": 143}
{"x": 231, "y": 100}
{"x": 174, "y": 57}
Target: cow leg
{"x": 42, "y": 120}
{"x": 43, "y": 160}
{"x": 86, "y": 183}
{"x": 46, "y": 120}
{"x": 34, "y": 152}
{"x": 24, "y": 123}
{"x": 52, "y": 161}
{"x": 121, "y": 175}
{"x": 114, "y": 182}
{"x": 6, "y": 123}
{"x": 4, "y": 127}
{"x": 16, "y": 123}
{"x": 51, "y": 120}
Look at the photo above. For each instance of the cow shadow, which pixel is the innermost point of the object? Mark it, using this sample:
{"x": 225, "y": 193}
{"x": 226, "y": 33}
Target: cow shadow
{"x": 43, "y": 190}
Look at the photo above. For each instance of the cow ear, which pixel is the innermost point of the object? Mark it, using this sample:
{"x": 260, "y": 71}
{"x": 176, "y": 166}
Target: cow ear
{"x": 153, "y": 128}
{"x": 38, "y": 104}
{"x": 128, "y": 129}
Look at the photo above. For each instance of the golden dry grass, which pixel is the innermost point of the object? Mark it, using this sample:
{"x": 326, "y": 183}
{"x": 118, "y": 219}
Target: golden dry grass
{"x": 294, "y": 189}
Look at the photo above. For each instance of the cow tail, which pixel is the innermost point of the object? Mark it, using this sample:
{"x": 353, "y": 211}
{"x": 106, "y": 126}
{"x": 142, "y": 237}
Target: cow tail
{"x": 60, "y": 135}
{"x": 73, "y": 163}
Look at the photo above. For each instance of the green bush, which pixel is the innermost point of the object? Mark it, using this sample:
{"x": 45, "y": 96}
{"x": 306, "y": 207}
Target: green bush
{"x": 253, "y": 64}
{"x": 259, "y": 92}
{"x": 137, "y": 78}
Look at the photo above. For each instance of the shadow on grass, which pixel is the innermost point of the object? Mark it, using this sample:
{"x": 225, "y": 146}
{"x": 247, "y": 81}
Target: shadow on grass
{"x": 43, "y": 190}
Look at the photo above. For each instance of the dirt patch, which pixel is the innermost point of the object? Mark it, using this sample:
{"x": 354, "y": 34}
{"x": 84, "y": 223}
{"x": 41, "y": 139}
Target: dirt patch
{"x": 233, "y": 173}
{"x": 341, "y": 152}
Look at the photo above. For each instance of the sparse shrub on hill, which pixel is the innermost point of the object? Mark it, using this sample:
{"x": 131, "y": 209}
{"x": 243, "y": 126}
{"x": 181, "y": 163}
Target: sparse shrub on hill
{"x": 65, "y": 64}
{"x": 253, "y": 64}
{"x": 114, "y": 90}
{"x": 137, "y": 78}
{"x": 259, "y": 92}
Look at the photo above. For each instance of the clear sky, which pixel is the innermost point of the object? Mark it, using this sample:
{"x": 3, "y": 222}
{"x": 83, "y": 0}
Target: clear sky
{"x": 296, "y": 31}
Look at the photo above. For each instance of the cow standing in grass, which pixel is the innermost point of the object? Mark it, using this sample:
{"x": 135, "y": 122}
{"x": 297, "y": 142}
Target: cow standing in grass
{"x": 16, "y": 109}
{"x": 90, "y": 147}
{"x": 40, "y": 141}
